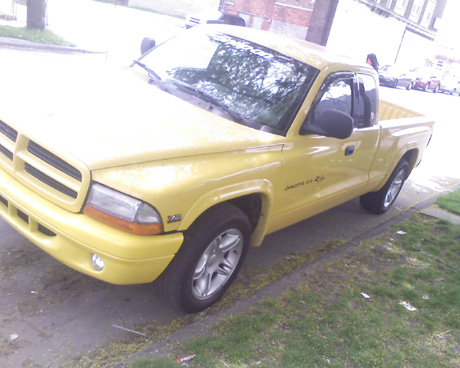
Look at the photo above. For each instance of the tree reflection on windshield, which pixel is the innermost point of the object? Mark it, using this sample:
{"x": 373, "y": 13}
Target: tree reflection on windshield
{"x": 259, "y": 84}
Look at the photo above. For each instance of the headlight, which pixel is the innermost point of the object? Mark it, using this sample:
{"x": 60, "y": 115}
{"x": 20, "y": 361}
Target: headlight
{"x": 122, "y": 211}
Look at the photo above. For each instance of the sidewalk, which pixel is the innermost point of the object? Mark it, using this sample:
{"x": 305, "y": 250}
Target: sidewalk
{"x": 100, "y": 27}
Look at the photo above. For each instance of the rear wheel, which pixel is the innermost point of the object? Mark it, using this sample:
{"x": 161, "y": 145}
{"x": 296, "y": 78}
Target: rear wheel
{"x": 208, "y": 261}
{"x": 410, "y": 86}
{"x": 380, "y": 202}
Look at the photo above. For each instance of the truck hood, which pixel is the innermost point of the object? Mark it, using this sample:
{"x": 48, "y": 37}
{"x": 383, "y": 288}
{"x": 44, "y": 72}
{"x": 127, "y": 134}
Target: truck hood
{"x": 115, "y": 117}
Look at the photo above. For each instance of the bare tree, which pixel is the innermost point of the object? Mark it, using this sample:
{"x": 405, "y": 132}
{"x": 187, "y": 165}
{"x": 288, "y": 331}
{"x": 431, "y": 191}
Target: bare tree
{"x": 36, "y": 14}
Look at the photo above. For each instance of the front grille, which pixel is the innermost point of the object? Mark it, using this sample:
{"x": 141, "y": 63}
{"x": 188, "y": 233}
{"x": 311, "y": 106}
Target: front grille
{"x": 42, "y": 170}
{"x": 53, "y": 160}
{"x": 24, "y": 219}
{"x": 6, "y": 152}
{"x": 8, "y": 131}
{"x": 4, "y": 201}
{"x": 23, "y": 216}
{"x": 50, "y": 181}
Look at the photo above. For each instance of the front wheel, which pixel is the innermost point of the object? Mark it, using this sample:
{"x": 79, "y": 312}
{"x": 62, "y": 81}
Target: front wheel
{"x": 380, "y": 202}
{"x": 208, "y": 261}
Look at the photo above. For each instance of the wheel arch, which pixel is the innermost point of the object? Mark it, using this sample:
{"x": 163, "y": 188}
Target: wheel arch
{"x": 408, "y": 154}
{"x": 254, "y": 198}
{"x": 411, "y": 157}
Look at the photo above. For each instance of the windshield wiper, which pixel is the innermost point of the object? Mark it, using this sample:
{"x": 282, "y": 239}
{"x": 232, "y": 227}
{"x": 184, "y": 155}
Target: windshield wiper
{"x": 212, "y": 100}
{"x": 152, "y": 75}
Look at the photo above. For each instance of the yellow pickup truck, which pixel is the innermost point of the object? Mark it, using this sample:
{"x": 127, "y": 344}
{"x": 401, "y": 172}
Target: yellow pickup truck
{"x": 173, "y": 167}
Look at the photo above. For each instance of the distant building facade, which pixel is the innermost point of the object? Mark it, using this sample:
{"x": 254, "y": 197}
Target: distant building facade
{"x": 420, "y": 16}
{"x": 290, "y": 17}
{"x": 398, "y": 31}
{"x": 312, "y": 19}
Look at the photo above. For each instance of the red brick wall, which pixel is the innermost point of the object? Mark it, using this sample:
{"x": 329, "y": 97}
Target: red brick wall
{"x": 270, "y": 10}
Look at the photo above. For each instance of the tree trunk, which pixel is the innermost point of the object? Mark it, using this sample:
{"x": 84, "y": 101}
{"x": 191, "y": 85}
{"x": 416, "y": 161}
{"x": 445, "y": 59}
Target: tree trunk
{"x": 36, "y": 14}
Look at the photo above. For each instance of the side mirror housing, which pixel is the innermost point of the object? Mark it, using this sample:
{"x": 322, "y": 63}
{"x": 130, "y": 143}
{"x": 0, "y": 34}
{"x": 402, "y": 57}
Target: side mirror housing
{"x": 147, "y": 44}
{"x": 331, "y": 123}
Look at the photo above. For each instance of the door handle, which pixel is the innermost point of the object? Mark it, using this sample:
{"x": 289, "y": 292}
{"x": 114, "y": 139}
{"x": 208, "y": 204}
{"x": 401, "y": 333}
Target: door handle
{"x": 349, "y": 150}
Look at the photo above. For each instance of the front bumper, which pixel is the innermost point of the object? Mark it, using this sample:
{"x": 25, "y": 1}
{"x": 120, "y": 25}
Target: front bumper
{"x": 73, "y": 238}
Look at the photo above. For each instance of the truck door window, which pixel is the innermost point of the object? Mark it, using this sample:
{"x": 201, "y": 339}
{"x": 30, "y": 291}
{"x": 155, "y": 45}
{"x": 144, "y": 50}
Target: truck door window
{"x": 365, "y": 107}
{"x": 337, "y": 97}
{"x": 336, "y": 94}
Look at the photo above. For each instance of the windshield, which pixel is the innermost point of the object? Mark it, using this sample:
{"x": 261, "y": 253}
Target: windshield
{"x": 260, "y": 86}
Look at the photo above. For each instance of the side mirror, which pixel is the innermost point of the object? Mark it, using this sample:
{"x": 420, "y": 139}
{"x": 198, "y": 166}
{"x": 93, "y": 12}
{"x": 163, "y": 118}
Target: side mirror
{"x": 147, "y": 44}
{"x": 331, "y": 123}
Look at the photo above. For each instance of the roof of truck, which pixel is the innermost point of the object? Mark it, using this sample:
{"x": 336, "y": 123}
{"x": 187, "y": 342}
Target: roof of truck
{"x": 307, "y": 52}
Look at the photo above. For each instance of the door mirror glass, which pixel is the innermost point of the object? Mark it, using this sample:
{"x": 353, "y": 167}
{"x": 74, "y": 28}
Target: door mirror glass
{"x": 147, "y": 44}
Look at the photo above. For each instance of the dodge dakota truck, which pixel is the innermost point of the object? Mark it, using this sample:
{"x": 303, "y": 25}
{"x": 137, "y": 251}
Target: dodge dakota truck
{"x": 169, "y": 169}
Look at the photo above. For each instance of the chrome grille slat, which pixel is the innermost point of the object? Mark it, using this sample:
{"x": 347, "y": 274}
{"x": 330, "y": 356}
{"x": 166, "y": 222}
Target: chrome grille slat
{"x": 6, "y": 152}
{"x": 50, "y": 181}
{"x": 53, "y": 160}
{"x": 8, "y": 131}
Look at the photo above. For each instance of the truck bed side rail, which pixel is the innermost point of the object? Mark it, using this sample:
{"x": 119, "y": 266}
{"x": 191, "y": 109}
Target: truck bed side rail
{"x": 389, "y": 111}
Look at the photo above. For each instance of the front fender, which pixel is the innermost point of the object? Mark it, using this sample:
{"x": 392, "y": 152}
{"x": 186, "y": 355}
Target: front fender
{"x": 220, "y": 195}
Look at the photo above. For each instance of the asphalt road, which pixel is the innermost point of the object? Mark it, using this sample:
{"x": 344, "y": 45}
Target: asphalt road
{"x": 50, "y": 313}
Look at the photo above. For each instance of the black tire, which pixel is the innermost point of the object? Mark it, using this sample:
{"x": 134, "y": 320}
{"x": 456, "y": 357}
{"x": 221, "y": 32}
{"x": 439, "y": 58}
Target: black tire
{"x": 208, "y": 261}
{"x": 409, "y": 86}
{"x": 380, "y": 202}
{"x": 427, "y": 87}
{"x": 435, "y": 90}
{"x": 395, "y": 83}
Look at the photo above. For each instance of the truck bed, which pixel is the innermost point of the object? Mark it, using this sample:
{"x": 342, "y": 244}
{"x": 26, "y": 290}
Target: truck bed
{"x": 390, "y": 111}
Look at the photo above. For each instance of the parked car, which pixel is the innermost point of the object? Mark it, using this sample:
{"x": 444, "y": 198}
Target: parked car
{"x": 426, "y": 79}
{"x": 393, "y": 76}
{"x": 214, "y": 17}
{"x": 449, "y": 85}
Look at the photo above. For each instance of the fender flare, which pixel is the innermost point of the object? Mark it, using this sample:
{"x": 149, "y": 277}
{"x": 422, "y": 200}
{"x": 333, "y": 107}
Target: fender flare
{"x": 411, "y": 149}
{"x": 225, "y": 194}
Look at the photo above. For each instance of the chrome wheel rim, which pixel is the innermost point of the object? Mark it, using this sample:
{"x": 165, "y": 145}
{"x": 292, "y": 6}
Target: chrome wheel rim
{"x": 394, "y": 188}
{"x": 217, "y": 264}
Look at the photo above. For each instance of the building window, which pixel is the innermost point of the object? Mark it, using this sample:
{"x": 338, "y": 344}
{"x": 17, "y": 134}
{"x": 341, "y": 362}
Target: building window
{"x": 401, "y": 6}
{"x": 416, "y": 10}
{"x": 385, "y": 3}
{"x": 428, "y": 14}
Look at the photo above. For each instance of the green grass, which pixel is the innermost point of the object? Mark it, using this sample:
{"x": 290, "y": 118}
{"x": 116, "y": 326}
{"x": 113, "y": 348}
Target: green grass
{"x": 450, "y": 202}
{"x": 34, "y": 35}
{"x": 326, "y": 322}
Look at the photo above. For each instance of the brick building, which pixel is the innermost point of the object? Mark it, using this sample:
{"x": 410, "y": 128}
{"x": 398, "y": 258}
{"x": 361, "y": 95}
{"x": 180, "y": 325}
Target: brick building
{"x": 312, "y": 19}
{"x": 292, "y": 17}
{"x": 394, "y": 29}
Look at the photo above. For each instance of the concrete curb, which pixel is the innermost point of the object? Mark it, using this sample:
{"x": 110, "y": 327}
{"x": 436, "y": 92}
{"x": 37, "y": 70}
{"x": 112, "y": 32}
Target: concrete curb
{"x": 24, "y": 44}
{"x": 204, "y": 326}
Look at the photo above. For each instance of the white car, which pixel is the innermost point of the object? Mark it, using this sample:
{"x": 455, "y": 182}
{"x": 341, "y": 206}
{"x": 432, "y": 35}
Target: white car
{"x": 213, "y": 17}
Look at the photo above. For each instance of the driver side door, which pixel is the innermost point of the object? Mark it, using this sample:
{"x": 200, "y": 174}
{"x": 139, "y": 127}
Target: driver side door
{"x": 324, "y": 171}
